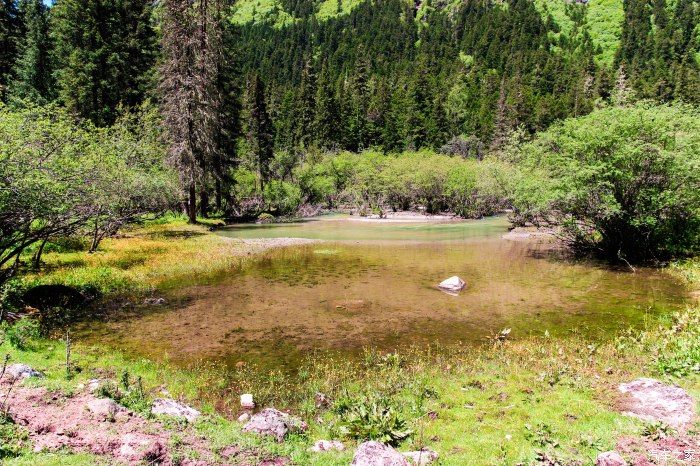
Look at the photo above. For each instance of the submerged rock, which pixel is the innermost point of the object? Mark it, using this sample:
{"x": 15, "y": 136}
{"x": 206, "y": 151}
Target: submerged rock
{"x": 377, "y": 454}
{"x": 275, "y": 423}
{"x": 421, "y": 457}
{"x": 327, "y": 445}
{"x": 452, "y": 285}
{"x": 652, "y": 400}
{"x": 610, "y": 458}
{"x": 168, "y": 407}
{"x": 22, "y": 371}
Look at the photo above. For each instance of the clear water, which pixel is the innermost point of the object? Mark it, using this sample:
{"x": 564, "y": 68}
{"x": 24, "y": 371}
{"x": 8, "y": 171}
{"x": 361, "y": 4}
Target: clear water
{"x": 373, "y": 284}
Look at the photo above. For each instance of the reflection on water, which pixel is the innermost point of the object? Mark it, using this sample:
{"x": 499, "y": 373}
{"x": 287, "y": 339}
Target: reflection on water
{"x": 374, "y": 285}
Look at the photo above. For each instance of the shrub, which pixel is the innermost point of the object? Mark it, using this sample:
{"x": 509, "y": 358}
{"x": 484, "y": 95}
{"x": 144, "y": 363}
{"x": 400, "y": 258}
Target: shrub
{"x": 371, "y": 417}
{"x": 20, "y": 334}
{"x": 623, "y": 183}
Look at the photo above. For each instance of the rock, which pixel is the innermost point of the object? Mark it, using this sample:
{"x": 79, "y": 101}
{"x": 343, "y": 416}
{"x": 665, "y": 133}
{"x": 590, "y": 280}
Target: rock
{"x": 421, "y": 457}
{"x": 168, "y": 407}
{"x": 327, "y": 445}
{"x": 321, "y": 400}
{"x": 452, "y": 284}
{"x": 247, "y": 401}
{"x": 243, "y": 417}
{"x": 610, "y": 458}
{"x": 652, "y": 400}
{"x": 275, "y": 423}
{"x": 93, "y": 385}
{"x": 154, "y": 301}
{"x": 103, "y": 407}
{"x": 377, "y": 454}
{"x": 22, "y": 371}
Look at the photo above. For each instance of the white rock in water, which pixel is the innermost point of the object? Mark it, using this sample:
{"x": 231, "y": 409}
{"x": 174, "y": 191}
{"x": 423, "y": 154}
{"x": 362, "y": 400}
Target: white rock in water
{"x": 421, "y": 457}
{"x": 452, "y": 284}
{"x": 247, "y": 401}
{"x": 22, "y": 371}
{"x": 327, "y": 445}
{"x": 169, "y": 407}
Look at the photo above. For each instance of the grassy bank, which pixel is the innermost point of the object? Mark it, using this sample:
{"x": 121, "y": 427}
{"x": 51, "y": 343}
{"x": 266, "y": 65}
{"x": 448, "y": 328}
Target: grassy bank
{"x": 503, "y": 403}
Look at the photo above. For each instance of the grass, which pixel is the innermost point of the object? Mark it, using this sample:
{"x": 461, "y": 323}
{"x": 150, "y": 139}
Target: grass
{"x": 503, "y": 403}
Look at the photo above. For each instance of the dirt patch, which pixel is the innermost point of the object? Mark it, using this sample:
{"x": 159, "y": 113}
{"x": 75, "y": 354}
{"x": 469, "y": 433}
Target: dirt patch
{"x": 55, "y": 421}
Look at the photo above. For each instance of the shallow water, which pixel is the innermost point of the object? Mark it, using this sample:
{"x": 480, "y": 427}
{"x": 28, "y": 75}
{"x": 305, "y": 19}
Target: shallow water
{"x": 373, "y": 285}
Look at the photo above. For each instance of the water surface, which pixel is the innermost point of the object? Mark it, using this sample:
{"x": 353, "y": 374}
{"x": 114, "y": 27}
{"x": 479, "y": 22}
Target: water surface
{"x": 374, "y": 285}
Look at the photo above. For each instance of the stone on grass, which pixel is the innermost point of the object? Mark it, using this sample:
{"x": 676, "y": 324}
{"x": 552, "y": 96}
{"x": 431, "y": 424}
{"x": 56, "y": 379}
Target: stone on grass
{"x": 327, "y": 445}
{"x": 652, "y": 400}
{"x": 168, "y": 407}
{"x": 452, "y": 284}
{"x": 610, "y": 458}
{"x": 421, "y": 457}
{"x": 244, "y": 417}
{"x": 103, "y": 407}
{"x": 247, "y": 401}
{"x": 22, "y": 371}
{"x": 377, "y": 454}
{"x": 274, "y": 423}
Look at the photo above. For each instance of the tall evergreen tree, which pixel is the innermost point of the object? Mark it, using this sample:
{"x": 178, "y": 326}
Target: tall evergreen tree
{"x": 105, "y": 52}
{"x": 260, "y": 132}
{"x": 33, "y": 70}
{"x": 10, "y": 34}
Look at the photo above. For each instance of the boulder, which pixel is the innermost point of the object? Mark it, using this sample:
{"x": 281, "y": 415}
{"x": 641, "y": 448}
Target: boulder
{"x": 421, "y": 457}
{"x": 168, "y": 407}
{"x": 652, "y": 400}
{"x": 103, "y": 407}
{"x": 610, "y": 458}
{"x": 22, "y": 371}
{"x": 452, "y": 285}
{"x": 275, "y": 423}
{"x": 377, "y": 454}
{"x": 247, "y": 401}
{"x": 327, "y": 445}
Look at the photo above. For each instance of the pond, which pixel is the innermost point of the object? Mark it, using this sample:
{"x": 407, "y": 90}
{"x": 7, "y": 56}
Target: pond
{"x": 373, "y": 284}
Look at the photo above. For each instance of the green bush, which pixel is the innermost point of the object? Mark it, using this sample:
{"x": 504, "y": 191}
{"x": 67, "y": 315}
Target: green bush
{"x": 371, "y": 417}
{"x": 623, "y": 182}
{"x": 21, "y": 333}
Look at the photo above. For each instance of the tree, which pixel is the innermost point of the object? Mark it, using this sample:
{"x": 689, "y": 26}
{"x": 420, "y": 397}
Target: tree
{"x": 623, "y": 182}
{"x": 105, "y": 52}
{"x": 10, "y": 33}
{"x": 34, "y": 67}
{"x": 259, "y": 132}
{"x": 190, "y": 97}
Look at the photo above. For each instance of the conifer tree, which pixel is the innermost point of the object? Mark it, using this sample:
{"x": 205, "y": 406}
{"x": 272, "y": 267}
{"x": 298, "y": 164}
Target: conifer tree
{"x": 33, "y": 70}
{"x": 259, "y": 132}
{"x": 10, "y": 34}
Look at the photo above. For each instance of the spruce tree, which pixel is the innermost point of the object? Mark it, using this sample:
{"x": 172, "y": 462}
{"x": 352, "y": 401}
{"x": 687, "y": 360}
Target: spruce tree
{"x": 10, "y": 34}
{"x": 259, "y": 132}
{"x": 33, "y": 70}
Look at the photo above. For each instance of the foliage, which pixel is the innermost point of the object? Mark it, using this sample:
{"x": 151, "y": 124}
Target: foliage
{"x": 371, "y": 417}
{"x": 60, "y": 176}
{"x": 13, "y": 438}
{"x": 21, "y": 333}
{"x": 622, "y": 182}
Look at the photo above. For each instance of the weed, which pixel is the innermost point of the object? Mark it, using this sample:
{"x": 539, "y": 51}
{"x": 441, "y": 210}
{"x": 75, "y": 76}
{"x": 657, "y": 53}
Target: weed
{"x": 542, "y": 435}
{"x": 372, "y": 418}
{"x": 657, "y": 430}
{"x": 21, "y": 333}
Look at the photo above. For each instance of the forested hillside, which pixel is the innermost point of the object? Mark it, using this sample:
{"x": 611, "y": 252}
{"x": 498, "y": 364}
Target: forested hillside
{"x": 399, "y": 75}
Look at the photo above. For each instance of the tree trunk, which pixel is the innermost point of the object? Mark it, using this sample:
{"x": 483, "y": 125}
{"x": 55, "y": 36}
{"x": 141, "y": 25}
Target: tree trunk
{"x": 37, "y": 256}
{"x": 217, "y": 194}
{"x": 192, "y": 204}
{"x": 204, "y": 203}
